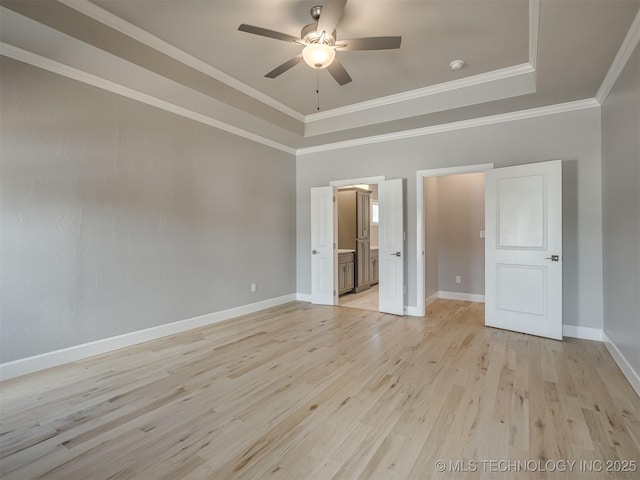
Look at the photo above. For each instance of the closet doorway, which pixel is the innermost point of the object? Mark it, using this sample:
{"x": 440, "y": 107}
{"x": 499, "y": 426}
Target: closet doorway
{"x": 451, "y": 250}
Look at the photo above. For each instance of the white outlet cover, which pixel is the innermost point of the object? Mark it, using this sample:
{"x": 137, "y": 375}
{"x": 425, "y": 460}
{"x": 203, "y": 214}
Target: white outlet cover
{"x": 481, "y": 233}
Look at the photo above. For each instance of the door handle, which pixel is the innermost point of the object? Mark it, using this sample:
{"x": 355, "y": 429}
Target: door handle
{"x": 553, "y": 258}
{"x": 314, "y": 252}
{"x": 397, "y": 254}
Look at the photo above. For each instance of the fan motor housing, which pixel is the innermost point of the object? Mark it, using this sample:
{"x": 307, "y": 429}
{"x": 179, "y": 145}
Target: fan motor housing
{"x": 309, "y": 34}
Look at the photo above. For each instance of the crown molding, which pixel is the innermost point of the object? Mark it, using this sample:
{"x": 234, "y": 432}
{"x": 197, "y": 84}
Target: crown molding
{"x": 107, "y": 18}
{"x": 418, "y": 93}
{"x": 70, "y": 72}
{"x": 448, "y": 127}
{"x": 629, "y": 44}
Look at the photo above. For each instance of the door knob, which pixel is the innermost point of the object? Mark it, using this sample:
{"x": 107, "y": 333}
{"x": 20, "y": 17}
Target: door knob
{"x": 397, "y": 254}
{"x": 315, "y": 252}
{"x": 553, "y": 258}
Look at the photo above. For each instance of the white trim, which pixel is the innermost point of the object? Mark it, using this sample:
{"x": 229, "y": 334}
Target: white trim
{"x": 445, "y": 172}
{"x": 448, "y": 127}
{"x": 420, "y": 234}
{"x": 356, "y": 181}
{"x": 412, "y": 311}
{"x": 534, "y": 26}
{"x": 84, "y": 77}
{"x": 464, "y": 297}
{"x": 429, "y": 300}
{"x": 43, "y": 361}
{"x": 629, "y": 44}
{"x": 627, "y": 370}
{"x": 303, "y": 297}
{"x": 585, "y": 333}
{"x": 107, "y": 18}
{"x": 423, "y": 92}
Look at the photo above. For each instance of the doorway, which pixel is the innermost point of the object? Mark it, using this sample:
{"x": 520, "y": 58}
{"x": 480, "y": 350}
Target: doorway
{"x": 431, "y": 276}
{"x": 523, "y": 245}
{"x": 324, "y": 243}
{"x": 358, "y": 265}
{"x": 454, "y": 237}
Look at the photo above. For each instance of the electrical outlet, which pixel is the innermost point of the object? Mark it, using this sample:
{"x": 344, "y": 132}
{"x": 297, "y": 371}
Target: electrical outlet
{"x": 458, "y": 279}
{"x": 481, "y": 233}
{"x": 254, "y": 287}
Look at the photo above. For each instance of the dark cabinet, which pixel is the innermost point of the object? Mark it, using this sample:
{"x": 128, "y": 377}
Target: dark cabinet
{"x": 373, "y": 269}
{"x": 346, "y": 273}
{"x": 363, "y": 277}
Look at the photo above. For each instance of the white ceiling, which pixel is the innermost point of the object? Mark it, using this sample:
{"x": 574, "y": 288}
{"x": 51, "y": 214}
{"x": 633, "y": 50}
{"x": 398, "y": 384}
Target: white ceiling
{"x": 188, "y": 57}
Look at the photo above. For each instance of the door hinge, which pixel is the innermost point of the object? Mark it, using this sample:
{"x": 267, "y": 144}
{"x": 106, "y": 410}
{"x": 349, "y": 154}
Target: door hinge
{"x": 334, "y": 199}
{"x": 404, "y": 289}
{"x": 404, "y": 236}
{"x": 334, "y": 293}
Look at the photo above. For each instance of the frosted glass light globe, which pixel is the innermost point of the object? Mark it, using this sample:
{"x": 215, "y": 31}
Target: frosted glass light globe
{"x": 318, "y": 55}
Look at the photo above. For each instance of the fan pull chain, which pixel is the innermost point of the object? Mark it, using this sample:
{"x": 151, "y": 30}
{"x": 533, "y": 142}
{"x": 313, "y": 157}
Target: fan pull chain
{"x": 318, "y": 88}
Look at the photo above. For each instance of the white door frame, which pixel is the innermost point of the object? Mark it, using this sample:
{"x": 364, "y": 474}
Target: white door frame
{"x": 354, "y": 181}
{"x": 420, "y": 245}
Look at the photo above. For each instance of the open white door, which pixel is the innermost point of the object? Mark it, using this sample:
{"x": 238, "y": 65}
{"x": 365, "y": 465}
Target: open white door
{"x": 523, "y": 250}
{"x": 324, "y": 231}
{"x": 391, "y": 246}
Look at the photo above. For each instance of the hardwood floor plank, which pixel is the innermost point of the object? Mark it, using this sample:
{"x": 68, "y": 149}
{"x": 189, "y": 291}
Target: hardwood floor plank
{"x": 301, "y": 391}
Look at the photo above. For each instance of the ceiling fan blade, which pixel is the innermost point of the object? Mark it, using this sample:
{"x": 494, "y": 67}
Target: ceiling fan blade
{"x": 370, "y": 43}
{"x": 264, "y": 32}
{"x": 284, "y": 67}
{"x": 338, "y": 72}
{"x": 330, "y": 15}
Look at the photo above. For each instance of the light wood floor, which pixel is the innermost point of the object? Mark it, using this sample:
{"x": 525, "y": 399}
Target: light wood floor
{"x": 302, "y": 391}
{"x": 367, "y": 300}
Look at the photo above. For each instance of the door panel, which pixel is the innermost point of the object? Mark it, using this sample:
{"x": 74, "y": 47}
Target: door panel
{"x": 324, "y": 261}
{"x": 391, "y": 246}
{"x": 523, "y": 221}
{"x": 521, "y": 207}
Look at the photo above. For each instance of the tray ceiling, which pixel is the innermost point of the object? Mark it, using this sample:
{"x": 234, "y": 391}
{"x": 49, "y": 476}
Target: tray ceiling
{"x": 188, "y": 57}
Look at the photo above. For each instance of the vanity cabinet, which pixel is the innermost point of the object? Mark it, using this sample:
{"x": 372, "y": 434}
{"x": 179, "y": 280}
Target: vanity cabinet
{"x": 346, "y": 272}
{"x": 363, "y": 273}
{"x": 373, "y": 269}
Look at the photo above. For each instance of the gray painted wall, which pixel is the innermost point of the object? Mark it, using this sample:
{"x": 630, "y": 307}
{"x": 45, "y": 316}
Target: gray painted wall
{"x": 460, "y": 248}
{"x": 573, "y": 137}
{"x": 117, "y": 216}
{"x": 621, "y": 211}
{"x": 431, "y": 235}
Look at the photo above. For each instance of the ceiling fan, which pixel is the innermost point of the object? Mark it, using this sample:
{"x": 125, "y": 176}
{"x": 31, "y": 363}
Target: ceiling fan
{"x": 320, "y": 42}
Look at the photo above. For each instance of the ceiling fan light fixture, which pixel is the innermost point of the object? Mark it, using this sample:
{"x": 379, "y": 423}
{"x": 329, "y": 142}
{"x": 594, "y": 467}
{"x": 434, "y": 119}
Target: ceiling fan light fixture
{"x": 318, "y": 55}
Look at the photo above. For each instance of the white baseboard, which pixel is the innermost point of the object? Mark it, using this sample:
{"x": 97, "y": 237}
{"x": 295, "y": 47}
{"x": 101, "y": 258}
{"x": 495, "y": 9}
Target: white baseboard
{"x": 430, "y": 299}
{"x": 464, "y": 297}
{"x": 585, "y": 333}
{"x": 303, "y": 297}
{"x": 43, "y": 361}
{"x": 627, "y": 370}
